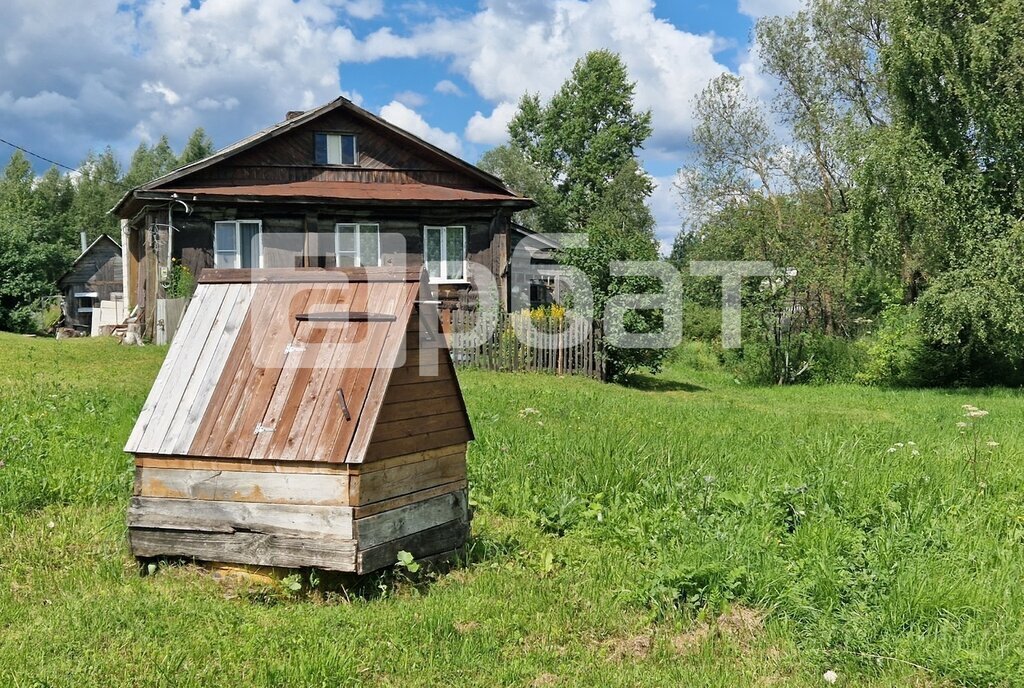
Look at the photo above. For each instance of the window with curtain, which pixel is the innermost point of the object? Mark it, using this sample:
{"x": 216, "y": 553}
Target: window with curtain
{"x": 238, "y": 244}
{"x": 444, "y": 251}
{"x": 334, "y": 149}
{"x": 357, "y": 245}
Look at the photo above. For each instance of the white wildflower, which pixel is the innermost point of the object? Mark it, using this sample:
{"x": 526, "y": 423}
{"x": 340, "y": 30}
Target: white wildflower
{"x": 891, "y": 450}
{"x": 900, "y": 445}
{"x": 830, "y": 677}
{"x": 976, "y": 413}
{"x": 961, "y": 424}
{"x": 990, "y": 443}
{"x": 915, "y": 453}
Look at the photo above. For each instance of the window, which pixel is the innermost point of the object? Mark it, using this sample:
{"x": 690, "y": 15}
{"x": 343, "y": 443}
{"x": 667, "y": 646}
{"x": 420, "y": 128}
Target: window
{"x": 238, "y": 244}
{"x": 444, "y": 250}
{"x": 86, "y": 301}
{"x": 334, "y": 149}
{"x": 356, "y": 245}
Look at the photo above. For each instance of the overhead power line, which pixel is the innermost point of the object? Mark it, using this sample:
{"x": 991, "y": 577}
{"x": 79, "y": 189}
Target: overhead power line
{"x": 36, "y": 155}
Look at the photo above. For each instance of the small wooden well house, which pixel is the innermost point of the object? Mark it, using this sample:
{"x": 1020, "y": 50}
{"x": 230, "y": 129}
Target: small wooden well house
{"x": 293, "y": 425}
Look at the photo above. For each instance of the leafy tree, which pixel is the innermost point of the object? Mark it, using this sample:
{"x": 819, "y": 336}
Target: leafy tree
{"x": 55, "y": 194}
{"x": 956, "y": 81}
{"x": 587, "y": 134}
{"x": 576, "y": 155}
{"x": 526, "y": 178}
{"x": 98, "y": 187}
{"x": 40, "y": 219}
{"x": 32, "y": 258}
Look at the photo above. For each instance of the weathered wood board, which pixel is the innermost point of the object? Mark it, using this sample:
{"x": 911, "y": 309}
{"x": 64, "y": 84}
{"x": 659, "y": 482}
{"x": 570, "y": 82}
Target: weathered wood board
{"x": 272, "y": 439}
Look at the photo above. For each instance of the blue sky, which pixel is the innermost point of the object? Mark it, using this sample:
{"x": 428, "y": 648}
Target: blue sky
{"x": 79, "y": 75}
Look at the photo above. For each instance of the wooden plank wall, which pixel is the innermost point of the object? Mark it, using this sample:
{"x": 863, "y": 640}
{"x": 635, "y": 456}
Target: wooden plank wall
{"x": 379, "y": 150}
{"x": 345, "y": 518}
{"x": 99, "y": 271}
{"x": 419, "y": 412}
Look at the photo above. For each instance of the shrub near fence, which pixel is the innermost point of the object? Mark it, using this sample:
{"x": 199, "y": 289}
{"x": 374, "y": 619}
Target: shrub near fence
{"x": 577, "y": 349}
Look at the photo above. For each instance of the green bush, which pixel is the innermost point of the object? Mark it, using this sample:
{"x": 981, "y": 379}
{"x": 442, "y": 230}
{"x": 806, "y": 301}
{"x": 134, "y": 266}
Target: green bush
{"x": 900, "y": 355}
{"x": 835, "y": 359}
{"x": 702, "y": 323}
{"x": 814, "y": 359}
{"x": 696, "y": 355}
{"x": 180, "y": 282}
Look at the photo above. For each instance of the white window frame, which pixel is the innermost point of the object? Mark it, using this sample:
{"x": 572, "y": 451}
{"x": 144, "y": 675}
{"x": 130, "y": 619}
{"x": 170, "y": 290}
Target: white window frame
{"x": 357, "y": 254}
{"x": 237, "y": 254}
{"x": 341, "y": 148}
{"x": 444, "y": 279}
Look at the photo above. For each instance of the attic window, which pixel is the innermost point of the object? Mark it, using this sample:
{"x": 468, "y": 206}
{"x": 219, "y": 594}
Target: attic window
{"x": 334, "y": 149}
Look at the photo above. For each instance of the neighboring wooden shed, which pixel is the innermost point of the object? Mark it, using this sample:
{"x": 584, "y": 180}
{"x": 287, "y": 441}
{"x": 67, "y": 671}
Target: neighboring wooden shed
{"x": 95, "y": 276}
{"x": 290, "y": 426}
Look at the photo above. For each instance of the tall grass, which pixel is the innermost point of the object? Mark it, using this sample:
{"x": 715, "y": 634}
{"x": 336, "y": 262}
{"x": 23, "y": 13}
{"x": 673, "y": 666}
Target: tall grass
{"x": 852, "y": 517}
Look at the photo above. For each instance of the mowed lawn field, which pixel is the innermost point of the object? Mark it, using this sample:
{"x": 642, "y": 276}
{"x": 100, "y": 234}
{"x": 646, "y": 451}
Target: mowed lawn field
{"x": 684, "y": 531}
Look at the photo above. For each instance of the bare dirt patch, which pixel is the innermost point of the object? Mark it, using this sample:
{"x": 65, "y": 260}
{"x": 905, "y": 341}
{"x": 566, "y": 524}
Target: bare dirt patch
{"x": 544, "y": 680}
{"x": 633, "y": 647}
{"x": 740, "y": 624}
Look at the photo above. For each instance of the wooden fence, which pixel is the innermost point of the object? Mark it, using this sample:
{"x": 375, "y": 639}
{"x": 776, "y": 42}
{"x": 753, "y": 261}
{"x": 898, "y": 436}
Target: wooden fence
{"x": 169, "y": 313}
{"x": 521, "y": 342}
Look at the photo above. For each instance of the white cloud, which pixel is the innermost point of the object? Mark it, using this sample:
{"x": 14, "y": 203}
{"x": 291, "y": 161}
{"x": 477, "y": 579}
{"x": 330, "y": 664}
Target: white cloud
{"x": 411, "y": 98}
{"x": 769, "y": 8}
{"x": 669, "y": 65}
{"x": 491, "y": 129}
{"x": 233, "y": 66}
{"x": 448, "y": 88}
{"x": 158, "y": 88}
{"x": 363, "y": 9}
{"x": 163, "y": 66}
{"x": 413, "y": 122}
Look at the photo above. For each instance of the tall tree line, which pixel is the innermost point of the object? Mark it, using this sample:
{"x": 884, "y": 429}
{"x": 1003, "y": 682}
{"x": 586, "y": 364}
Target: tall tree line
{"x": 885, "y": 174}
{"x": 41, "y": 218}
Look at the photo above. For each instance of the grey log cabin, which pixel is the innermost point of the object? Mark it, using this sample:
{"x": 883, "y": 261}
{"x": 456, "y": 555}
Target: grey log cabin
{"x": 95, "y": 276}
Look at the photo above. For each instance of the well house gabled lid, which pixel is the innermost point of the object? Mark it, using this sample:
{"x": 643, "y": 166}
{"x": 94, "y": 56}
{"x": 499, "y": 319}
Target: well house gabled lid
{"x": 280, "y": 365}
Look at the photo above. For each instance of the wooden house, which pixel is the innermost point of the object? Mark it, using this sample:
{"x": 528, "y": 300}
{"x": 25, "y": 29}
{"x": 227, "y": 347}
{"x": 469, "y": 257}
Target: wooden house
{"x": 94, "y": 277}
{"x": 292, "y": 425}
{"x": 335, "y": 186}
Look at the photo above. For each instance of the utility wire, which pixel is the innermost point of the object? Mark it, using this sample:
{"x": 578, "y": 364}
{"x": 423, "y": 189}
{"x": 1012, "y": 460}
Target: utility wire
{"x": 36, "y": 155}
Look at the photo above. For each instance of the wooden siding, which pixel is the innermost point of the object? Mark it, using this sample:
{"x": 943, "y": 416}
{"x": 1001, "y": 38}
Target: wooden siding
{"x": 245, "y": 379}
{"x": 377, "y": 148}
{"x": 356, "y": 520}
{"x": 98, "y": 271}
{"x": 244, "y": 452}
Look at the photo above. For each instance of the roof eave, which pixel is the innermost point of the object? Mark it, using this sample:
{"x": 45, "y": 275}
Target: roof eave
{"x": 514, "y": 202}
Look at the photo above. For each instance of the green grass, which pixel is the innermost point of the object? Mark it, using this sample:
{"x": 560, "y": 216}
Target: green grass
{"x": 614, "y": 526}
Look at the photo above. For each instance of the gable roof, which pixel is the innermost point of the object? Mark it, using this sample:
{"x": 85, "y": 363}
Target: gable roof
{"x": 248, "y": 378}
{"x": 102, "y": 238}
{"x": 488, "y": 180}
